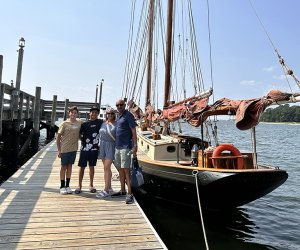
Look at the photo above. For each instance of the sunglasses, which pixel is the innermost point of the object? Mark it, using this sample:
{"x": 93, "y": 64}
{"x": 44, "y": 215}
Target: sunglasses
{"x": 119, "y": 105}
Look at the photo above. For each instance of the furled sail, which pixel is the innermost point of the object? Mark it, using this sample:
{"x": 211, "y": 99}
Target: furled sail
{"x": 196, "y": 110}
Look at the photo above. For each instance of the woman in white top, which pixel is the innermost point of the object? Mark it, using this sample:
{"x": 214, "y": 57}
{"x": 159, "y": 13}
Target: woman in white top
{"x": 107, "y": 135}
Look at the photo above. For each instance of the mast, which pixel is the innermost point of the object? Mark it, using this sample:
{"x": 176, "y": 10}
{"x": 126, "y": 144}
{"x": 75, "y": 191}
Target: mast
{"x": 168, "y": 53}
{"x": 150, "y": 42}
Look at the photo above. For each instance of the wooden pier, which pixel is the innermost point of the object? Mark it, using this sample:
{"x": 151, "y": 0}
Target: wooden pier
{"x": 35, "y": 216}
{"x": 22, "y": 116}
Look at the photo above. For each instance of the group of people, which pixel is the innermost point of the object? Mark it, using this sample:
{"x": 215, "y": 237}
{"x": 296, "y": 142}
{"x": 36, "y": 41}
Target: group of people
{"x": 111, "y": 140}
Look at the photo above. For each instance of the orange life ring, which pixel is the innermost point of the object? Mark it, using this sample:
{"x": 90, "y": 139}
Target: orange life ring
{"x": 229, "y": 147}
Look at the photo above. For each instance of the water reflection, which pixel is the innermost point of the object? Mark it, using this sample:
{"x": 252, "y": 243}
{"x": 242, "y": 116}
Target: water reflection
{"x": 180, "y": 227}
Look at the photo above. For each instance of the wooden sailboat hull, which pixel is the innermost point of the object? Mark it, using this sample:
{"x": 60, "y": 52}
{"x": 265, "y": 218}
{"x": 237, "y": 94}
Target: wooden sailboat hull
{"x": 218, "y": 190}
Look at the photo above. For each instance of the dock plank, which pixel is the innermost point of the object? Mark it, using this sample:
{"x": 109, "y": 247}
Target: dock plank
{"x": 33, "y": 215}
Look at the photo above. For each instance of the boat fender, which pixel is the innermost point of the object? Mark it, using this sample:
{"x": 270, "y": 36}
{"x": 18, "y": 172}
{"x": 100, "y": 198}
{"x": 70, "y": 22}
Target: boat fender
{"x": 228, "y": 147}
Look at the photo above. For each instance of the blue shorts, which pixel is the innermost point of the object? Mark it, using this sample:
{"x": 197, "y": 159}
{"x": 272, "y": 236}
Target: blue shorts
{"x": 68, "y": 158}
{"x": 106, "y": 150}
{"x": 88, "y": 157}
{"x": 122, "y": 158}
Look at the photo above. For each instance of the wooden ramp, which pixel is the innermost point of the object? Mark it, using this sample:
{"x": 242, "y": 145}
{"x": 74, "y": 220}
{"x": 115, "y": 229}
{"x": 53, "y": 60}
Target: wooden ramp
{"x": 35, "y": 216}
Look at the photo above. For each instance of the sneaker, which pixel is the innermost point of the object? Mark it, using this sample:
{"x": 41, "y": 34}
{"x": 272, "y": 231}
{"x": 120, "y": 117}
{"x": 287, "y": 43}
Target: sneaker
{"x": 93, "y": 190}
{"x": 77, "y": 191}
{"x": 63, "y": 190}
{"x": 102, "y": 194}
{"x": 129, "y": 199}
{"x": 120, "y": 193}
{"x": 111, "y": 191}
{"x": 69, "y": 190}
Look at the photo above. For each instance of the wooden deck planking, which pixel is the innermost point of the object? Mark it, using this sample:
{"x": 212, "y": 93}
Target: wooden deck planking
{"x": 33, "y": 215}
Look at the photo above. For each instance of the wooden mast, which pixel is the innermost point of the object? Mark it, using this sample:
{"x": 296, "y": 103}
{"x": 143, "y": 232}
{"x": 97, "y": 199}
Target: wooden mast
{"x": 150, "y": 42}
{"x": 168, "y": 53}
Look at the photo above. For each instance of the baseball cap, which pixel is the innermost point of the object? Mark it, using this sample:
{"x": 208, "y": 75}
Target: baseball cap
{"x": 94, "y": 108}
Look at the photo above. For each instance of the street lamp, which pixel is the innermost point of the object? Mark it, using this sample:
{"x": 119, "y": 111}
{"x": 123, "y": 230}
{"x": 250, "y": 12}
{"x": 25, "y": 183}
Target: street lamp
{"x": 21, "y": 42}
{"x": 20, "y": 62}
{"x": 100, "y": 92}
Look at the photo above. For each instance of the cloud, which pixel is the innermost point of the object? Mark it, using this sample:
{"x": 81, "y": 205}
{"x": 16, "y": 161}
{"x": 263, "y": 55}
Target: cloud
{"x": 248, "y": 83}
{"x": 269, "y": 69}
{"x": 281, "y": 77}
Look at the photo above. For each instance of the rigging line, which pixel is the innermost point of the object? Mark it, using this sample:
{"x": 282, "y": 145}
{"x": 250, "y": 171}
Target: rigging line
{"x": 131, "y": 83}
{"x": 210, "y": 48}
{"x": 175, "y": 88}
{"x": 183, "y": 62}
{"x": 192, "y": 53}
{"x": 129, "y": 45}
{"x": 139, "y": 47}
{"x": 136, "y": 74}
{"x": 133, "y": 62}
{"x": 139, "y": 42}
{"x": 154, "y": 102}
{"x": 137, "y": 93}
{"x": 197, "y": 61}
{"x": 281, "y": 61}
{"x": 176, "y": 58}
{"x": 174, "y": 78}
{"x": 162, "y": 27}
{"x": 263, "y": 27}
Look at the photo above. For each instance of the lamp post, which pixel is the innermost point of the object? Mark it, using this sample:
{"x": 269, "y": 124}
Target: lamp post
{"x": 1, "y": 67}
{"x": 20, "y": 62}
{"x": 100, "y": 93}
{"x": 96, "y": 98}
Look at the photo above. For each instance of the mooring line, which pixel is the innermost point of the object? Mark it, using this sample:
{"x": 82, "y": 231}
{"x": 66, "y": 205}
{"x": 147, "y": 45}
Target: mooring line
{"x": 195, "y": 173}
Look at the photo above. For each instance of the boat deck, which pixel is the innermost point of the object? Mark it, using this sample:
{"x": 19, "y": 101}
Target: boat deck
{"x": 35, "y": 216}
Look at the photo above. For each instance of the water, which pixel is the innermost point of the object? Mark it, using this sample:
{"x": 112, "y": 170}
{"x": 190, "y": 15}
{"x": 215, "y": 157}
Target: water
{"x": 272, "y": 222}
{"x": 7, "y": 171}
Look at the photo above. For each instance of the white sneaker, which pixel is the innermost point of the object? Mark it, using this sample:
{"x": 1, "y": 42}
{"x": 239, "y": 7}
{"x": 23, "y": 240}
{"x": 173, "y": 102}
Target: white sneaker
{"x": 63, "y": 190}
{"x": 102, "y": 194}
{"x": 69, "y": 190}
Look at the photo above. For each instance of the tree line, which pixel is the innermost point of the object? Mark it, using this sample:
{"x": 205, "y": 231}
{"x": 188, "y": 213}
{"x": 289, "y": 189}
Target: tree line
{"x": 282, "y": 113}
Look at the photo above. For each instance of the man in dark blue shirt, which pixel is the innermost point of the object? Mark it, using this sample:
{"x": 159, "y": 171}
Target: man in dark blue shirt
{"x": 126, "y": 144}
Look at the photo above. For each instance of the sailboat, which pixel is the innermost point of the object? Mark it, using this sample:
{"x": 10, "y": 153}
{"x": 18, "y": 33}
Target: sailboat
{"x": 182, "y": 168}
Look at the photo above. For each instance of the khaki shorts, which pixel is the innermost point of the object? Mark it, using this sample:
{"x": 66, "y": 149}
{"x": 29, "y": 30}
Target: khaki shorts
{"x": 122, "y": 158}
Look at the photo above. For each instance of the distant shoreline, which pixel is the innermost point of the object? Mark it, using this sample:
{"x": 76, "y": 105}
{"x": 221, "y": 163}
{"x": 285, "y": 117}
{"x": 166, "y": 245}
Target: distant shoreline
{"x": 288, "y": 123}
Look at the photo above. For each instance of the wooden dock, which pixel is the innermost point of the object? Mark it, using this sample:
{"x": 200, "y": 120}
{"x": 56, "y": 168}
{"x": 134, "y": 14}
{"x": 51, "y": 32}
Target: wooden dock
{"x": 35, "y": 216}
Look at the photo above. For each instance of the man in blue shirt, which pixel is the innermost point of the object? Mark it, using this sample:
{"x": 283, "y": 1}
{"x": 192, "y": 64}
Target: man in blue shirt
{"x": 126, "y": 143}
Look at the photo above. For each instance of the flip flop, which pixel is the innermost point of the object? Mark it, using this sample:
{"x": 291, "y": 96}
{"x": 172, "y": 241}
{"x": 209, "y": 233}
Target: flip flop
{"x": 77, "y": 191}
{"x": 93, "y": 190}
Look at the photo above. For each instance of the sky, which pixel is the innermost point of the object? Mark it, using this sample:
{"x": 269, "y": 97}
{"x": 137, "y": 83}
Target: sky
{"x": 72, "y": 44}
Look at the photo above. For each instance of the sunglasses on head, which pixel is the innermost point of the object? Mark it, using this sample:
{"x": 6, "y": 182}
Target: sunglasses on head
{"x": 110, "y": 113}
{"x": 119, "y": 105}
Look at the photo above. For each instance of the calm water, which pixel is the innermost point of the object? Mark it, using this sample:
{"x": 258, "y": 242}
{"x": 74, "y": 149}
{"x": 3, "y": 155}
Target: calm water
{"x": 7, "y": 171}
{"x": 272, "y": 222}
